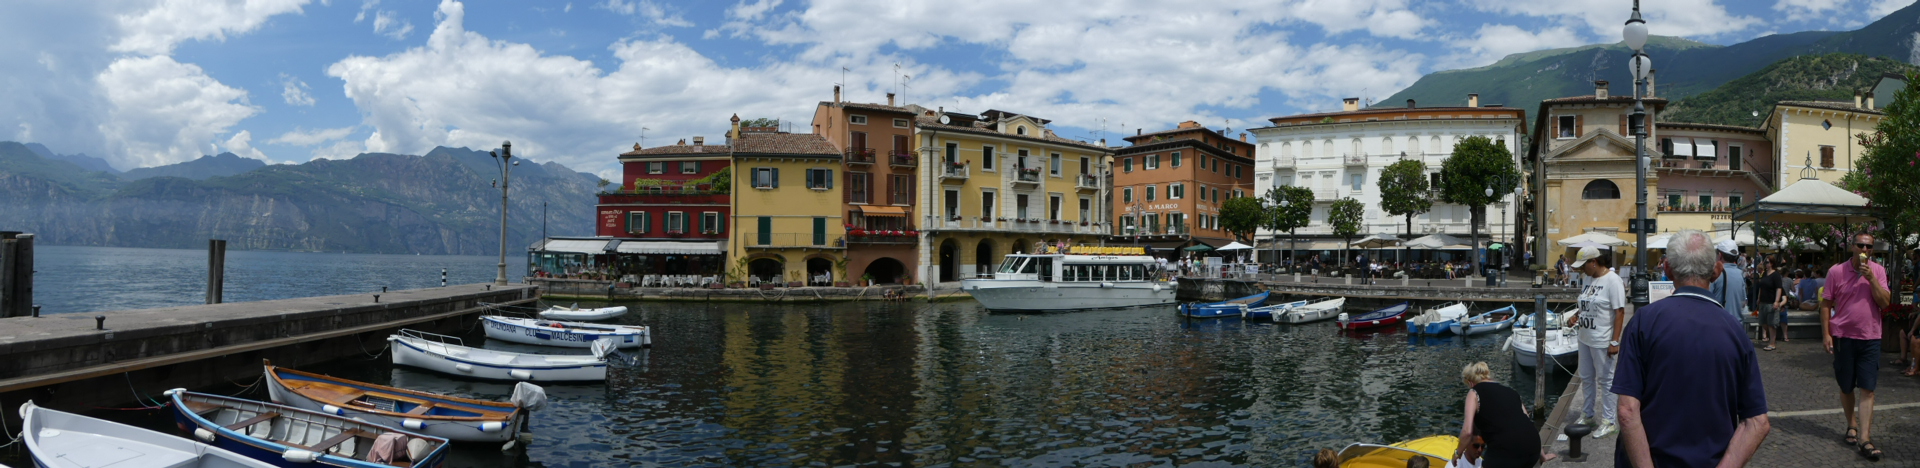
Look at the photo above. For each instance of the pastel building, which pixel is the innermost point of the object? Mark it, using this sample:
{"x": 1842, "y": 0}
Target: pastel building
{"x": 879, "y": 167}
{"x": 1706, "y": 172}
{"x": 1584, "y": 148}
{"x": 788, "y": 223}
{"x": 1168, "y": 187}
{"x": 1818, "y": 135}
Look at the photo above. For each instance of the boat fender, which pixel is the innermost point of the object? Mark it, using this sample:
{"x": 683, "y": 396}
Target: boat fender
{"x": 413, "y": 424}
{"x": 521, "y": 374}
{"x": 463, "y": 367}
{"x": 333, "y": 410}
{"x": 1156, "y": 287}
{"x": 1343, "y": 318}
{"x": 173, "y": 392}
{"x": 203, "y": 434}
{"x": 1106, "y": 284}
{"x": 492, "y": 426}
{"x": 300, "y": 456}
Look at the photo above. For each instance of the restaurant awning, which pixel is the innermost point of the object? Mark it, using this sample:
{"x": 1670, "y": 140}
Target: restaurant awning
{"x": 670, "y": 248}
{"x": 880, "y": 210}
{"x": 579, "y": 246}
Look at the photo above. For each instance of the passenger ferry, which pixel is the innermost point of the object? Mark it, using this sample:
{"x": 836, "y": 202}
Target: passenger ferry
{"x": 1076, "y": 278}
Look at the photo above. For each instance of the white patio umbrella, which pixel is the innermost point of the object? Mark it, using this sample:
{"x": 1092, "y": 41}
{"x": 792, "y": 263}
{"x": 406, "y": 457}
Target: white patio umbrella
{"x": 1599, "y": 237}
{"x": 1435, "y": 242}
{"x": 1235, "y": 246}
{"x": 1376, "y": 241}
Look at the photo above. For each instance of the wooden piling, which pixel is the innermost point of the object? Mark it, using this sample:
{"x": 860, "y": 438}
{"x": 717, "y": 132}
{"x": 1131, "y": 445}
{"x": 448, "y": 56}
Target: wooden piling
{"x": 216, "y": 270}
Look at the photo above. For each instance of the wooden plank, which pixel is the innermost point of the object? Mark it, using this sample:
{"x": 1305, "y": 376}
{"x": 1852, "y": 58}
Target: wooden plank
{"x": 421, "y": 409}
{"x": 342, "y": 438}
{"x": 26, "y": 382}
{"x": 262, "y": 417}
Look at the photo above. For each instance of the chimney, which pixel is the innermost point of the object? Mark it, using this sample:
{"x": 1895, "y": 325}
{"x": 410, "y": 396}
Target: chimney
{"x": 734, "y": 131}
{"x": 1136, "y": 132}
{"x": 1650, "y": 81}
{"x": 1600, "y": 89}
{"x": 836, "y": 94}
{"x": 1473, "y": 100}
{"x": 1350, "y": 104}
{"x": 1410, "y": 104}
{"x": 889, "y": 99}
{"x": 1870, "y": 100}
{"x": 1243, "y": 137}
{"x": 1856, "y": 99}
{"x": 699, "y": 141}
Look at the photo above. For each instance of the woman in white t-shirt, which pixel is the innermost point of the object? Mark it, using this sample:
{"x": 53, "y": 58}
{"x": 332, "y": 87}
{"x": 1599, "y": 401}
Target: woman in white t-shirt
{"x": 1602, "y": 310}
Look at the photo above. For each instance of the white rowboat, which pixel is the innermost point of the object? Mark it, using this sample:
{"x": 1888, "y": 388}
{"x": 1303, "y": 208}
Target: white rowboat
{"x": 574, "y": 312}
{"x": 59, "y": 439}
{"x": 565, "y": 334}
{"x": 1313, "y": 312}
{"x": 446, "y": 355}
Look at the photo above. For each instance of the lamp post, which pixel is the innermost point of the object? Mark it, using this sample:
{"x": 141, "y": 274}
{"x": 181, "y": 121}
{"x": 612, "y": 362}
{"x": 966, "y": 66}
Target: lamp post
{"x": 504, "y": 159}
{"x": 1635, "y": 36}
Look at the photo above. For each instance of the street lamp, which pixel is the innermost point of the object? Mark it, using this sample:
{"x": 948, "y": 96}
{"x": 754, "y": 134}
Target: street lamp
{"x": 1635, "y": 36}
{"x": 504, "y": 159}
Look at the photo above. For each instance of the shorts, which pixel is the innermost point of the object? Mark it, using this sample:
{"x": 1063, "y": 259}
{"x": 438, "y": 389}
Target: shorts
{"x": 1769, "y": 317}
{"x": 1856, "y": 364}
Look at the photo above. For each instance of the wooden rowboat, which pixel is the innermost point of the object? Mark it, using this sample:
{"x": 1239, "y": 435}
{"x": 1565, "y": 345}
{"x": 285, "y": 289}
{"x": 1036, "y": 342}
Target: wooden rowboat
{"x": 452, "y": 418}
{"x": 1229, "y": 308}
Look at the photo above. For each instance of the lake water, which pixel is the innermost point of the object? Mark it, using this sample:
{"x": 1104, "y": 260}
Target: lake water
{"x": 929, "y": 384}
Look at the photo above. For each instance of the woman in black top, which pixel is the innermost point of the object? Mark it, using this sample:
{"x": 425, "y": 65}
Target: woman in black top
{"x": 1496, "y": 415}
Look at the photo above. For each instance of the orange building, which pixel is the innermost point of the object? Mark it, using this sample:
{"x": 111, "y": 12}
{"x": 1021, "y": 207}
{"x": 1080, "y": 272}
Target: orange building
{"x": 879, "y": 164}
{"x": 1169, "y": 185}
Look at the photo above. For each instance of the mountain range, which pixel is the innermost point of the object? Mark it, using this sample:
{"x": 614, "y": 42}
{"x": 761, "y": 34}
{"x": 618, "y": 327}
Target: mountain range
{"x": 442, "y": 202}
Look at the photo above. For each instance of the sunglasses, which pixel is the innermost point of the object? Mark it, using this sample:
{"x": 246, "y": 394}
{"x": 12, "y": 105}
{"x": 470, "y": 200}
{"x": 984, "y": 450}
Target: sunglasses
{"x": 1864, "y": 246}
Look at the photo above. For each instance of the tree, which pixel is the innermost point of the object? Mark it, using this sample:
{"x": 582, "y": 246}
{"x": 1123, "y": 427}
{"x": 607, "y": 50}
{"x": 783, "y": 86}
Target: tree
{"x": 1404, "y": 191}
{"x": 760, "y": 122}
{"x": 1288, "y": 208}
{"x": 1240, "y": 216}
{"x": 1886, "y": 172}
{"x": 1344, "y": 215}
{"x": 1477, "y": 164}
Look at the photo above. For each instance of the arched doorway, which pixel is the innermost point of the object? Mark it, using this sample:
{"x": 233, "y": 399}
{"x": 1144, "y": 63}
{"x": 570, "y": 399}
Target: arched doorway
{"x": 766, "y": 270}
{"x": 983, "y": 258}
{"x": 885, "y": 270}
{"x": 819, "y": 272}
{"x": 949, "y": 260}
{"x": 1019, "y": 246}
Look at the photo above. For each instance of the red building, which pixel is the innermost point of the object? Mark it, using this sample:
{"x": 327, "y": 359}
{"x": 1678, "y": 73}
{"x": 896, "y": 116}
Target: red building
{"x": 669, "y": 215}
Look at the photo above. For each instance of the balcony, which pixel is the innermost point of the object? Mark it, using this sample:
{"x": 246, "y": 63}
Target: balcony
{"x": 794, "y": 240}
{"x": 1284, "y": 163}
{"x": 903, "y": 159}
{"x": 1020, "y": 225}
{"x": 955, "y": 172}
{"x": 1355, "y": 159}
{"x": 666, "y": 195}
{"x": 1320, "y": 194}
{"x": 859, "y": 156}
{"x": 1027, "y": 175}
{"x": 882, "y": 237}
{"x": 1086, "y": 182}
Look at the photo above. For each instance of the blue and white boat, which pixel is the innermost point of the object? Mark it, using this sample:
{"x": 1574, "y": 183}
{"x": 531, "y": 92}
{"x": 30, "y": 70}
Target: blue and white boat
{"x": 1229, "y": 308}
{"x": 448, "y": 355}
{"x": 292, "y": 437}
{"x": 63, "y": 440}
{"x": 1486, "y": 322}
{"x": 1437, "y": 321}
{"x": 1312, "y": 312}
{"x": 1385, "y": 317}
{"x": 452, "y": 418}
{"x": 1269, "y": 312}
{"x": 564, "y": 334}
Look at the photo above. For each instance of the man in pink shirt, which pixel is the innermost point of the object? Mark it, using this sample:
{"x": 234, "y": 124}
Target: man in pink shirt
{"x": 1850, "y": 328}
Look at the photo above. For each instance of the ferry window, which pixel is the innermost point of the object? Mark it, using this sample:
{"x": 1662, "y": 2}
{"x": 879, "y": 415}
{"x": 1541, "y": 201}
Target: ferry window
{"x": 1070, "y": 273}
{"x": 1099, "y": 272}
{"x": 1010, "y": 265}
{"x": 1026, "y": 265}
{"x": 1046, "y": 269}
{"x": 1126, "y": 273}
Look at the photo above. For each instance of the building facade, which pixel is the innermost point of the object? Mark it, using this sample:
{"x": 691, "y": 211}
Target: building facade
{"x": 668, "y": 215}
{"x": 999, "y": 183}
{"x": 1168, "y": 186}
{"x": 1706, "y": 172}
{"x": 1585, "y": 149}
{"x": 1342, "y": 154}
{"x": 879, "y": 169}
{"x": 1818, "y": 135}
{"x": 787, "y": 208}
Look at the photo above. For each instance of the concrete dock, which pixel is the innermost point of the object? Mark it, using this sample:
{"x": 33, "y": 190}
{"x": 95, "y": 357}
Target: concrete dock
{"x": 1383, "y": 290}
{"x": 74, "y": 360}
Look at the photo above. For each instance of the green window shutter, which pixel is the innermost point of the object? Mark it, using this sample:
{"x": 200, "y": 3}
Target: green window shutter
{"x": 766, "y": 230}
{"x": 776, "y": 177}
{"x": 819, "y": 231}
{"x": 829, "y": 175}
{"x": 809, "y": 179}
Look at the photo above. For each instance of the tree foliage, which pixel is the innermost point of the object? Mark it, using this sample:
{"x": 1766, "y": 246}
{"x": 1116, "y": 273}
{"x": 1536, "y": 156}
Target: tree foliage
{"x": 1477, "y": 164}
{"x": 1344, "y": 216}
{"x": 1240, "y": 216}
{"x": 1404, "y": 191}
{"x": 1888, "y": 172}
{"x": 760, "y": 122}
{"x": 1295, "y": 213}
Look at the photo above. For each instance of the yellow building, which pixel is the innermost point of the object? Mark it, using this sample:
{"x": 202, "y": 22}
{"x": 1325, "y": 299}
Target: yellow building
{"x": 786, "y": 208}
{"x": 1587, "y": 152}
{"x": 1820, "y": 135}
{"x": 1000, "y": 183}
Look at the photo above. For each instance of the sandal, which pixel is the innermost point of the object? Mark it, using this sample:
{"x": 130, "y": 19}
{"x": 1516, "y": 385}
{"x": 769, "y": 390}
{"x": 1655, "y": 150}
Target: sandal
{"x": 1853, "y": 436}
{"x": 1769, "y": 348}
{"x": 1912, "y": 370}
{"x": 1867, "y": 449}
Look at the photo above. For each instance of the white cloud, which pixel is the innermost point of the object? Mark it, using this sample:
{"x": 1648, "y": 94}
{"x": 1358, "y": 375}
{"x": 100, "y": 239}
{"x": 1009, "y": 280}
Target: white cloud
{"x": 294, "y": 91}
{"x": 1495, "y": 41}
{"x": 156, "y": 30}
{"x": 1604, "y": 18}
{"x": 1801, "y": 10}
{"x": 389, "y": 24}
{"x": 302, "y": 137}
{"x": 365, "y": 7}
{"x": 241, "y": 144}
{"x": 161, "y": 111}
{"x": 654, "y": 12}
{"x": 1881, "y": 8}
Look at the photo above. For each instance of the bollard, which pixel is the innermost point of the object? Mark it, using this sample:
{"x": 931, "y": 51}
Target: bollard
{"x": 1574, "y": 434}
{"x": 376, "y": 298}
{"x": 489, "y": 287}
{"x": 1540, "y": 369}
{"x": 443, "y": 277}
{"x": 99, "y": 322}
{"x": 36, "y": 310}
{"x": 383, "y": 289}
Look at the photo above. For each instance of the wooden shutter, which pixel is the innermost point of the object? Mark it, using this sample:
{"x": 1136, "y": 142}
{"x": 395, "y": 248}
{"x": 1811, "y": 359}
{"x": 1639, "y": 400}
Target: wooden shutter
{"x": 1555, "y": 122}
{"x": 829, "y": 181}
{"x": 1623, "y": 124}
{"x": 1826, "y": 156}
{"x": 809, "y": 178}
{"x": 1579, "y": 126}
{"x": 846, "y": 196}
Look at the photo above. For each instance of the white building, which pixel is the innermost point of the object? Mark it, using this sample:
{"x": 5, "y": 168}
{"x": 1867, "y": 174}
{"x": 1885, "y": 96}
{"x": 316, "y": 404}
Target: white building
{"x": 1341, "y": 154}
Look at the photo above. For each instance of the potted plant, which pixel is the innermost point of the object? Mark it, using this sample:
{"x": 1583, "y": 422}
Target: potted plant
{"x": 716, "y": 286}
{"x": 866, "y": 279}
{"x": 840, "y": 267}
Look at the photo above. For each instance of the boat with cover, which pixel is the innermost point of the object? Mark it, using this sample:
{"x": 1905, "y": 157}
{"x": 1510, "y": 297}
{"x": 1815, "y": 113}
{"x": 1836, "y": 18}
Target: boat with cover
{"x": 1313, "y": 312}
{"x": 1074, "y": 278}
{"x": 1267, "y": 312}
{"x": 291, "y": 437}
{"x": 1437, "y": 449}
{"x": 1385, "y": 317}
{"x": 61, "y": 439}
{"x": 1562, "y": 343}
{"x": 448, "y": 355}
{"x": 1227, "y": 308}
{"x": 1485, "y": 322}
{"x": 1437, "y": 321}
{"x": 448, "y": 417}
{"x": 574, "y": 312}
{"x": 564, "y": 334}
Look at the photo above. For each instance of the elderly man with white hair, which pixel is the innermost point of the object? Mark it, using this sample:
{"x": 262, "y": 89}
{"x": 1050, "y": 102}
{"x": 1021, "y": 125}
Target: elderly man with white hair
{"x": 1688, "y": 379}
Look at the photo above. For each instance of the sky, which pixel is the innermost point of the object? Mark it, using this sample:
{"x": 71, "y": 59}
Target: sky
{"x": 143, "y": 83}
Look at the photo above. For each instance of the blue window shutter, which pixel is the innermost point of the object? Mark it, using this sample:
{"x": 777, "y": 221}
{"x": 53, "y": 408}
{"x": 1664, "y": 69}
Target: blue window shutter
{"x": 776, "y": 177}
{"x": 829, "y": 175}
{"x": 809, "y": 179}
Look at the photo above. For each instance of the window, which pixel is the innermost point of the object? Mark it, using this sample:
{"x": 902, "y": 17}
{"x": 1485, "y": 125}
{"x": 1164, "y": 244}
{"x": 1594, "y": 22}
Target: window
{"x": 1357, "y": 148}
{"x": 953, "y": 153}
{"x": 656, "y": 168}
{"x": 1053, "y": 207}
{"x": 1020, "y": 206}
{"x": 1216, "y": 195}
{"x": 953, "y": 204}
{"x": 857, "y": 119}
{"x": 1203, "y": 192}
{"x": 1673, "y": 197}
{"x": 1237, "y": 193}
{"x": 899, "y": 123}
{"x": 1236, "y": 170}
{"x": 1214, "y": 164}
{"x": 1021, "y": 159}
{"x": 638, "y": 222}
{"x": 690, "y": 167}
{"x": 1176, "y": 159}
{"x": 710, "y": 223}
{"x": 1734, "y": 199}
{"x": 1433, "y": 184}
{"x": 820, "y": 179}
{"x": 1666, "y": 146}
{"x": 1826, "y": 125}
{"x": 1153, "y": 162}
{"x": 902, "y": 188}
{"x": 1566, "y": 126}
{"x": 1706, "y": 200}
{"x": 676, "y": 222}
{"x": 1086, "y": 210}
{"x": 859, "y": 143}
{"x": 1356, "y": 180}
{"x": 766, "y": 230}
{"x": 1285, "y": 181}
{"x": 1826, "y": 156}
{"x": 1386, "y": 145}
{"x": 859, "y": 187}
{"x": 1126, "y": 165}
{"x": 1733, "y": 157}
{"x": 1054, "y": 165}
{"x": 1175, "y": 221}
{"x": 766, "y": 177}
{"x": 1127, "y": 223}
{"x": 986, "y": 158}
{"x": 1433, "y": 144}
{"x": 1084, "y": 166}
{"x": 900, "y": 144}
{"x": 1020, "y": 130}
{"x": 1176, "y": 191}
{"x": 1126, "y": 195}
{"x": 1150, "y": 192}
{"x": 819, "y": 230}
{"x": 1600, "y": 190}
{"x": 986, "y": 204}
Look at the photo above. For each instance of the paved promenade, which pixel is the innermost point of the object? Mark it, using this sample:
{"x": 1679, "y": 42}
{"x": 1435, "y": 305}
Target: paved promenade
{"x": 1804, "y": 405}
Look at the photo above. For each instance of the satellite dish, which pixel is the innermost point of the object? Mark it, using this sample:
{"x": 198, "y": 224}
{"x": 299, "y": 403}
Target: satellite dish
{"x": 944, "y": 120}
{"x": 1755, "y": 113}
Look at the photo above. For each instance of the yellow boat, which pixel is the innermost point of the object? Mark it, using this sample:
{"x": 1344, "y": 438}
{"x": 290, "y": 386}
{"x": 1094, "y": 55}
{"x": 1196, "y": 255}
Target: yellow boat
{"x": 1436, "y": 448}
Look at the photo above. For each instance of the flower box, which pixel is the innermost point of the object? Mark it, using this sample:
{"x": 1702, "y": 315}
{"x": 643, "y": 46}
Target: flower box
{"x": 716, "y": 286}
{"x": 840, "y": 284}
{"x": 795, "y": 284}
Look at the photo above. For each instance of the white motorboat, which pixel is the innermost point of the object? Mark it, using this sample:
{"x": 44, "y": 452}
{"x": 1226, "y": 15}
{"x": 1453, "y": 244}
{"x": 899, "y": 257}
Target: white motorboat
{"x": 565, "y": 334}
{"x": 1562, "y": 343}
{"x": 60, "y": 439}
{"x": 1313, "y": 312}
{"x": 447, "y": 355}
{"x": 574, "y": 312}
{"x": 1078, "y": 278}
{"x": 1268, "y": 312}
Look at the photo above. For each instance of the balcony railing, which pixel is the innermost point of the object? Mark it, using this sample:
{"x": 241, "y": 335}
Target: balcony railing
{"x": 1355, "y": 159}
{"x": 860, "y": 156}
{"x": 1021, "y": 225}
{"x": 902, "y": 159}
{"x": 1698, "y": 208}
{"x": 861, "y": 236}
{"x": 808, "y": 240}
{"x": 955, "y": 172}
{"x": 1283, "y": 162}
{"x": 1086, "y": 182}
{"x": 1028, "y": 175}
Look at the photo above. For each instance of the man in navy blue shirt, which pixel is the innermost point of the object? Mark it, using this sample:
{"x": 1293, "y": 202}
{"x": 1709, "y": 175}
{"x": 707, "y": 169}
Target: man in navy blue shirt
{"x": 1688, "y": 380}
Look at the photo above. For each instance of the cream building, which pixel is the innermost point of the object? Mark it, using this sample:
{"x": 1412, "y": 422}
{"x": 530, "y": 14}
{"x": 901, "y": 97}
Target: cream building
{"x": 1820, "y": 135}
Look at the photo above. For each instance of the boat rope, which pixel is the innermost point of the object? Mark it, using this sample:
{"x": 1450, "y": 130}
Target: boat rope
{"x": 8, "y": 432}
{"x": 248, "y": 387}
{"x": 372, "y": 356}
{"x": 149, "y": 402}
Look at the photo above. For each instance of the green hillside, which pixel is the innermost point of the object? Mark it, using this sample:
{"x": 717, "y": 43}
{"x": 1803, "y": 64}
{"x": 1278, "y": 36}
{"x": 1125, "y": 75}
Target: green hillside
{"x": 1834, "y": 76}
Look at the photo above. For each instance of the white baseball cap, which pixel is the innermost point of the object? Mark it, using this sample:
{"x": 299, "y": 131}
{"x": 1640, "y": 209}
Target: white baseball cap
{"x": 1728, "y": 246}
{"x": 1586, "y": 253}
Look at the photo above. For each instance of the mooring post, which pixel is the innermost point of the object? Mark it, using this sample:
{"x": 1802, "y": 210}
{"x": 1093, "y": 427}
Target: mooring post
{"x": 1539, "y": 353}
{"x": 216, "y": 270}
{"x": 16, "y": 274}
{"x": 443, "y": 277}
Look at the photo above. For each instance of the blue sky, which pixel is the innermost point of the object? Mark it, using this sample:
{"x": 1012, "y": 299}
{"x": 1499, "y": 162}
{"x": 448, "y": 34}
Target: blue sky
{"x": 151, "y": 82}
